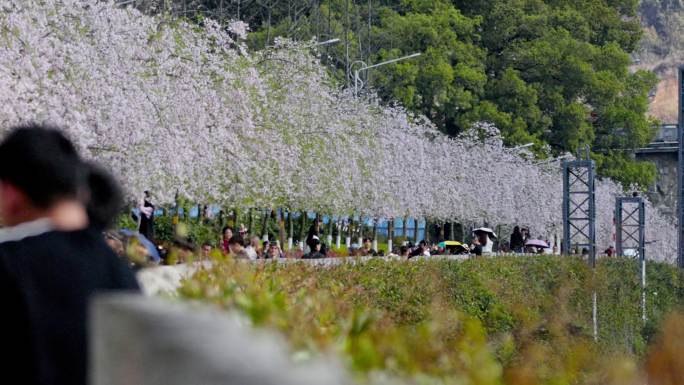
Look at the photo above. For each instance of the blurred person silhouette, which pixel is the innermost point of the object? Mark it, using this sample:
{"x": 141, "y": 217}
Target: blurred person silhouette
{"x": 264, "y": 249}
{"x": 313, "y": 234}
{"x": 146, "y": 207}
{"x": 237, "y": 247}
{"x": 420, "y": 250}
{"x": 206, "y": 250}
{"x": 273, "y": 251}
{"x": 53, "y": 256}
{"x": 517, "y": 241}
{"x": 315, "y": 252}
{"x": 226, "y": 234}
{"x": 367, "y": 248}
{"x": 115, "y": 243}
{"x": 253, "y": 248}
{"x": 476, "y": 246}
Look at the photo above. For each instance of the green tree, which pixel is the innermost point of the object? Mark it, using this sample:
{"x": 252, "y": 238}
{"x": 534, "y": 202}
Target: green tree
{"x": 449, "y": 78}
{"x": 559, "y": 74}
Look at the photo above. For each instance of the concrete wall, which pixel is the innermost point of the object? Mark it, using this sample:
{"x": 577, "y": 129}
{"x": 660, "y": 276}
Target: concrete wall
{"x": 165, "y": 280}
{"x": 136, "y": 340}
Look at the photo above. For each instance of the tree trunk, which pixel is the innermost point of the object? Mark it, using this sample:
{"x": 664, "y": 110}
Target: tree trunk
{"x": 330, "y": 230}
{"x": 250, "y": 222}
{"x": 290, "y": 230}
{"x": 390, "y": 234}
{"x": 264, "y": 224}
{"x": 361, "y": 225}
{"x": 427, "y": 231}
{"x": 404, "y": 228}
{"x": 415, "y": 230}
{"x": 281, "y": 227}
{"x": 352, "y": 227}
{"x": 302, "y": 229}
{"x": 236, "y": 218}
{"x": 338, "y": 237}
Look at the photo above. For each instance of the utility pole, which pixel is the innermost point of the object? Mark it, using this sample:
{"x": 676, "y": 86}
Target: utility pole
{"x": 680, "y": 170}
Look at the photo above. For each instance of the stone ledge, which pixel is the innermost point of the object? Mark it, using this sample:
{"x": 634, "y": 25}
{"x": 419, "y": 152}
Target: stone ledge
{"x": 151, "y": 341}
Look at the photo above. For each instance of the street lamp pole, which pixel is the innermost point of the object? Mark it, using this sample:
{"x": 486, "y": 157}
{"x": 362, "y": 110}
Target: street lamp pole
{"x": 327, "y": 42}
{"x": 518, "y": 149}
{"x": 331, "y": 41}
{"x": 365, "y": 67}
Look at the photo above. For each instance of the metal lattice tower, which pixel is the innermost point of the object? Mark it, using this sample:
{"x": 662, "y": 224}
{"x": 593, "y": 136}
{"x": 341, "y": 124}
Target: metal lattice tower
{"x": 630, "y": 220}
{"x": 630, "y": 224}
{"x": 680, "y": 170}
{"x": 579, "y": 208}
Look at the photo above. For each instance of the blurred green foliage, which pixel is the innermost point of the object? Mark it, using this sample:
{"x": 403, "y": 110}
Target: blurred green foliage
{"x": 481, "y": 321}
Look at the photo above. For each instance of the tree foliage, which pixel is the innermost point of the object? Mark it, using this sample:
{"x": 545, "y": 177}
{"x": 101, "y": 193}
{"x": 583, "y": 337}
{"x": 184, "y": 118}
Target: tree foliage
{"x": 187, "y": 109}
{"x": 554, "y": 73}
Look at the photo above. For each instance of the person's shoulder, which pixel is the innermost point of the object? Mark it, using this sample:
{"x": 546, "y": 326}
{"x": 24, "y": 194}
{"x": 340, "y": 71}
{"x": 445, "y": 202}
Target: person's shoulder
{"x": 33, "y": 242}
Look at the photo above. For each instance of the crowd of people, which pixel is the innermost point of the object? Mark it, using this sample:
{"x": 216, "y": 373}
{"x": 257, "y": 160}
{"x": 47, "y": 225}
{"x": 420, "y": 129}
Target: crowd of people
{"x": 240, "y": 244}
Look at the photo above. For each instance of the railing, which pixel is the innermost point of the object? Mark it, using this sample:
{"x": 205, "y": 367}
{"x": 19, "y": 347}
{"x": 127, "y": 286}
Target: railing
{"x": 666, "y": 133}
{"x": 665, "y": 141}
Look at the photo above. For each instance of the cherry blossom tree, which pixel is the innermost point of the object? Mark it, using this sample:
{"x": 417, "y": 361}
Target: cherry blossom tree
{"x": 172, "y": 106}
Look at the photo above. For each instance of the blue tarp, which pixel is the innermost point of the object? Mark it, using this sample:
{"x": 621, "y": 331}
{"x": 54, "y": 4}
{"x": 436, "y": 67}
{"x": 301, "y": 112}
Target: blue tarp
{"x": 151, "y": 248}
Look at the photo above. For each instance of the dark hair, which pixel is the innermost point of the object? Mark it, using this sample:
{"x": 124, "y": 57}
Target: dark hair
{"x": 366, "y": 240}
{"x": 236, "y": 239}
{"x": 403, "y": 249}
{"x": 103, "y": 196}
{"x": 185, "y": 244}
{"x": 41, "y": 162}
{"x": 223, "y": 231}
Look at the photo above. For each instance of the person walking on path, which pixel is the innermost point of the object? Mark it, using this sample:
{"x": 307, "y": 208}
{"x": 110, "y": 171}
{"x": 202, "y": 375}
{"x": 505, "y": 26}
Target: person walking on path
{"x": 517, "y": 241}
{"x": 313, "y": 234}
{"x": 146, "y": 207}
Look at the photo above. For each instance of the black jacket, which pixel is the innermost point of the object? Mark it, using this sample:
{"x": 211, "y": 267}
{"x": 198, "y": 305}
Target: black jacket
{"x": 313, "y": 255}
{"x": 46, "y": 282}
{"x": 517, "y": 241}
{"x": 313, "y": 232}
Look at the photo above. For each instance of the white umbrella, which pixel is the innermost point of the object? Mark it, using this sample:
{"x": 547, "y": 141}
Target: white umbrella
{"x": 485, "y": 230}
